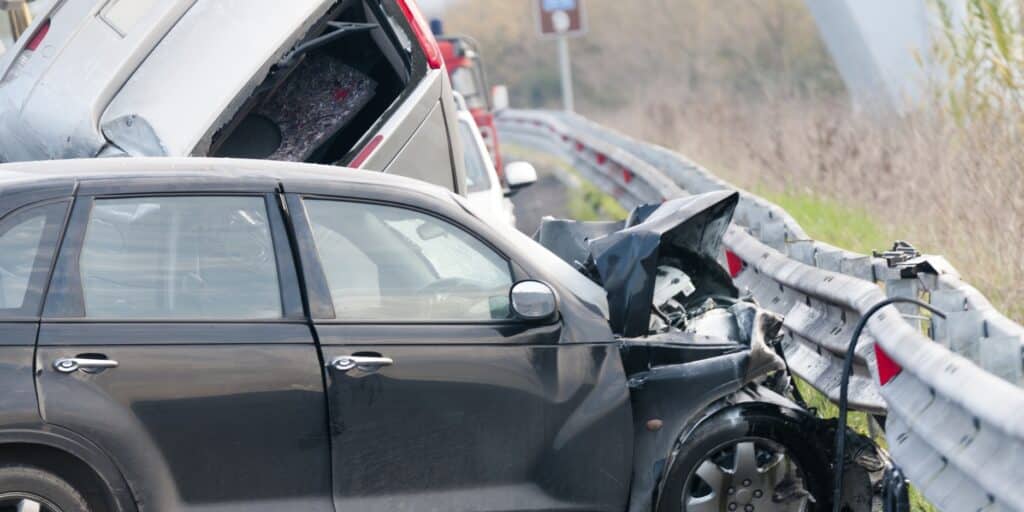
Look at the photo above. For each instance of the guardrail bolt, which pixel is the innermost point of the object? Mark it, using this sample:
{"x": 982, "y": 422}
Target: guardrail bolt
{"x": 746, "y": 483}
{"x": 732, "y": 506}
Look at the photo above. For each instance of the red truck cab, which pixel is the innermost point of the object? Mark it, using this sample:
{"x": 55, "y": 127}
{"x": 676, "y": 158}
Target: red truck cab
{"x": 462, "y": 59}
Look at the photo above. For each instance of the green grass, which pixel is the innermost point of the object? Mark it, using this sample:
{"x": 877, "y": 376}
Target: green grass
{"x": 848, "y": 227}
{"x": 587, "y": 203}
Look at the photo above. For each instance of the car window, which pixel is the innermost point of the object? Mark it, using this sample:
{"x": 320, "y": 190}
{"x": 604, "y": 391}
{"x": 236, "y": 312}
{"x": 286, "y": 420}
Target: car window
{"x": 21, "y": 242}
{"x": 477, "y": 179}
{"x": 466, "y": 81}
{"x": 570, "y": 278}
{"x": 180, "y": 258}
{"x": 390, "y": 264}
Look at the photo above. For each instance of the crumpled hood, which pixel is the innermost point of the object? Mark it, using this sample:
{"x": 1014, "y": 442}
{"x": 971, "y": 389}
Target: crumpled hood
{"x": 623, "y": 257}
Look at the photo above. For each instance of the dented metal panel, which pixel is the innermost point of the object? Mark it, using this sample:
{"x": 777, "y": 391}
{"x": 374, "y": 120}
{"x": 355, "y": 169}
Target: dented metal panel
{"x": 206, "y": 66}
{"x": 51, "y": 100}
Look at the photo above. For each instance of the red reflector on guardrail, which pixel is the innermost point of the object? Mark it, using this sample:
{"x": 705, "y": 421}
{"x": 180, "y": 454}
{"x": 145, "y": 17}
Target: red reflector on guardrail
{"x": 601, "y": 159}
{"x": 735, "y": 263}
{"x": 627, "y": 176}
{"x": 579, "y": 146}
{"x": 887, "y": 368}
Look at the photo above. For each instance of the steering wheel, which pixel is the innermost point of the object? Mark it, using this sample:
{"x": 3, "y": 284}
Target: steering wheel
{"x": 445, "y": 295}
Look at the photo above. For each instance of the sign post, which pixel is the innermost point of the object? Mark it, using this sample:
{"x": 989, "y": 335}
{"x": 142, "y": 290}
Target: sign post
{"x": 18, "y": 15}
{"x": 561, "y": 19}
{"x": 565, "y": 63}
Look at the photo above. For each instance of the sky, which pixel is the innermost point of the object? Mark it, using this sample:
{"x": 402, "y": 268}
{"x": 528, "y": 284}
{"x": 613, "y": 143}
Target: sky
{"x": 433, "y": 7}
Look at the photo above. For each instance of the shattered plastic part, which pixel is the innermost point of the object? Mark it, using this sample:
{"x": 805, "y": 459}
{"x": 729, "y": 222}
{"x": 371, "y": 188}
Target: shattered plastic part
{"x": 670, "y": 282}
{"x": 685, "y": 233}
{"x": 569, "y": 239}
{"x": 320, "y": 98}
{"x": 133, "y": 136}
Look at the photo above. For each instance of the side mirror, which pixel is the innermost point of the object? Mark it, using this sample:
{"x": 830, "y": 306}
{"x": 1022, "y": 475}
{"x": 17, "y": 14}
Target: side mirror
{"x": 519, "y": 175}
{"x": 533, "y": 301}
{"x": 499, "y": 98}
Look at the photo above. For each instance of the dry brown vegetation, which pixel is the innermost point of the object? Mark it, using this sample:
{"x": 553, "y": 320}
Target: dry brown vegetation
{"x": 951, "y": 192}
{"x": 747, "y": 89}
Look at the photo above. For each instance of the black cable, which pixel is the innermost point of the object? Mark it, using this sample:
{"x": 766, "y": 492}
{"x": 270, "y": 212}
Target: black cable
{"x": 844, "y": 384}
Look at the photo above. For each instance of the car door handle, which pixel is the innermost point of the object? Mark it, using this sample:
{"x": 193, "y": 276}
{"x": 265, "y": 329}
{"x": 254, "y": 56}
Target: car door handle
{"x": 368, "y": 364}
{"x": 73, "y": 364}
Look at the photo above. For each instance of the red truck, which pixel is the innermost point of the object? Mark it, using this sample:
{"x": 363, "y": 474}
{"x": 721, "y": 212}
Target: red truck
{"x": 462, "y": 59}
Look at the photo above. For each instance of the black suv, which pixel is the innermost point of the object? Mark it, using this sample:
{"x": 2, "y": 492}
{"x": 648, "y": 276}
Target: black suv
{"x": 240, "y": 335}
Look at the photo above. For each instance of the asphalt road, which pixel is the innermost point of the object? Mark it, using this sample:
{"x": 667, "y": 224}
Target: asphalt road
{"x": 548, "y": 196}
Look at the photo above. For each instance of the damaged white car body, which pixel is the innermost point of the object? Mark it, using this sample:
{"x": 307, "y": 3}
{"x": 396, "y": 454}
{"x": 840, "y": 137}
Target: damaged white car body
{"x": 353, "y": 82}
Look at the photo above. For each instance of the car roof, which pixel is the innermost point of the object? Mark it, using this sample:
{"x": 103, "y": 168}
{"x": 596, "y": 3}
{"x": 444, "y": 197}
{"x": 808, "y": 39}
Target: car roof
{"x": 242, "y": 170}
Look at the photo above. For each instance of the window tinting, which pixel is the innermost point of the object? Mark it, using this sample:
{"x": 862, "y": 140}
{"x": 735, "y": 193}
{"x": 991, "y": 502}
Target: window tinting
{"x": 392, "y": 264}
{"x": 20, "y": 238}
{"x": 180, "y": 258}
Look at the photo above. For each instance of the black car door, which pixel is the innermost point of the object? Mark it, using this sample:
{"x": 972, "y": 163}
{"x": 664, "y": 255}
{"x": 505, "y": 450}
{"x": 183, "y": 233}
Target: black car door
{"x": 28, "y": 240}
{"x": 174, "y": 338}
{"x": 439, "y": 398}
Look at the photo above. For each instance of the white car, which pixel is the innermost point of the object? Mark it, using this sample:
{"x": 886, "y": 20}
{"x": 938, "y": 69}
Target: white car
{"x": 354, "y": 83}
{"x": 485, "y": 192}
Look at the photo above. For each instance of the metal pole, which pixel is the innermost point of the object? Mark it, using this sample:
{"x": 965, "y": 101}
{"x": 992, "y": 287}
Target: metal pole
{"x": 19, "y": 17}
{"x": 564, "y": 60}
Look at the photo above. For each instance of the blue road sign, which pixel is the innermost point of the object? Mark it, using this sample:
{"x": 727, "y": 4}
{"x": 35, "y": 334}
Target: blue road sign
{"x": 559, "y": 5}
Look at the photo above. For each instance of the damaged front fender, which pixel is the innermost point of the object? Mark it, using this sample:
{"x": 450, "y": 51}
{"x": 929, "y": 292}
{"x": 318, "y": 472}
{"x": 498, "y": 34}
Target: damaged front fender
{"x": 669, "y": 400}
{"x": 676, "y": 378}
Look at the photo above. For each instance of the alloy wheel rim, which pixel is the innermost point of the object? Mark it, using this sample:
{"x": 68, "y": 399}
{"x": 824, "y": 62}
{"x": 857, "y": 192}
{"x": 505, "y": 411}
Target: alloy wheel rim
{"x": 25, "y": 502}
{"x": 749, "y": 475}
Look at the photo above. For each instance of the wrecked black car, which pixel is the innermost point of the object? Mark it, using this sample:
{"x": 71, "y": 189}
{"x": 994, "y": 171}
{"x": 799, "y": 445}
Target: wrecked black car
{"x": 195, "y": 334}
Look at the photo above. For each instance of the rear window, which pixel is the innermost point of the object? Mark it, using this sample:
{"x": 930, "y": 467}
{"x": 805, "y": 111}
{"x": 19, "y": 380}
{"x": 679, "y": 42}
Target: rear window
{"x": 319, "y": 102}
{"x": 28, "y": 239}
{"x": 19, "y": 247}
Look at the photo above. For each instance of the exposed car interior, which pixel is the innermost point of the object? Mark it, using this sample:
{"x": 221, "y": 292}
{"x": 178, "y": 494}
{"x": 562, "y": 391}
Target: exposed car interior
{"x": 328, "y": 91}
{"x": 384, "y": 263}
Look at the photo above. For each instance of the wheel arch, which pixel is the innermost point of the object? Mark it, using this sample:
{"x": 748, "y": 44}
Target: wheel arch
{"x": 754, "y": 400}
{"x": 73, "y": 458}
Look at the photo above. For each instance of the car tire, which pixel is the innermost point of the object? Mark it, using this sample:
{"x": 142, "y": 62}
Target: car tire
{"x": 707, "y": 473}
{"x": 36, "y": 489}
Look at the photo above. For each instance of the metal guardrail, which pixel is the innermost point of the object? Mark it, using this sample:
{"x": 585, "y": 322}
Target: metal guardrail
{"x": 955, "y": 412}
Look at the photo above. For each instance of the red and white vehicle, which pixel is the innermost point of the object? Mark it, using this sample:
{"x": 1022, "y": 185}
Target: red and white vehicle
{"x": 462, "y": 59}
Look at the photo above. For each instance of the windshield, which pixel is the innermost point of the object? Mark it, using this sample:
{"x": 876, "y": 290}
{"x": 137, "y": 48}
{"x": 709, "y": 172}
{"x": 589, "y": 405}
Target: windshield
{"x": 477, "y": 179}
{"x": 468, "y": 82}
{"x": 583, "y": 288}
